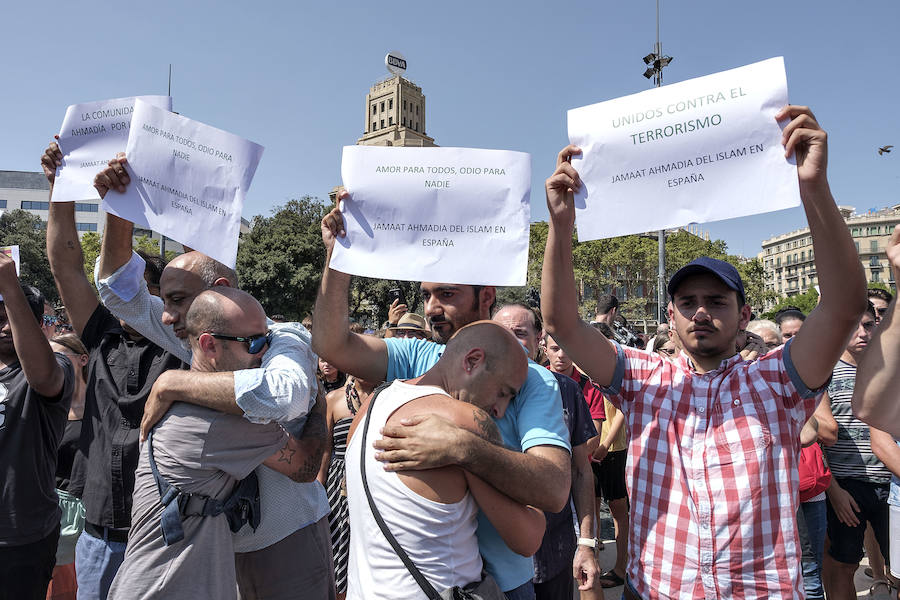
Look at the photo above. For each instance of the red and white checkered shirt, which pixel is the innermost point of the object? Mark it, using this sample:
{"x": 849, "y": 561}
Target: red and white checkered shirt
{"x": 712, "y": 474}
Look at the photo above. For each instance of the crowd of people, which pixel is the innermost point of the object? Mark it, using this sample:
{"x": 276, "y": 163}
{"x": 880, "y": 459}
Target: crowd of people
{"x": 168, "y": 439}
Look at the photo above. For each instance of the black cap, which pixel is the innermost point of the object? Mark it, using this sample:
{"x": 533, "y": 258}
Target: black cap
{"x": 725, "y": 271}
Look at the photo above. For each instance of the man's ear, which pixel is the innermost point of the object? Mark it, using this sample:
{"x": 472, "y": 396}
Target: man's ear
{"x": 223, "y": 281}
{"x": 208, "y": 344}
{"x": 670, "y": 311}
{"x": 473, "y": 359}
{"x": 487, "y": 297}
{"x": 745, "y": 316}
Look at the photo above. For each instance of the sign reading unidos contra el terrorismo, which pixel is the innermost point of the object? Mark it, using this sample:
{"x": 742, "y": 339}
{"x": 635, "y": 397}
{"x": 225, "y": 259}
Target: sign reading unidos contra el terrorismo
{"x": 456, "y": 215}
{"x": 696, "y": 151}
{"x": 91, "y": 135}
{"x": 188, "y": 181}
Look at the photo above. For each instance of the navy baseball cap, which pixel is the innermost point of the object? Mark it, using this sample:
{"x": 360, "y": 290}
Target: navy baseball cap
{"x": 726, "y": 273}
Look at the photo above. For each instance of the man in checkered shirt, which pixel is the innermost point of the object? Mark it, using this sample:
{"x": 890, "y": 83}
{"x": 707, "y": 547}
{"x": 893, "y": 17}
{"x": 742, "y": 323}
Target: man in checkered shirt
{"x": 713, "y": 439}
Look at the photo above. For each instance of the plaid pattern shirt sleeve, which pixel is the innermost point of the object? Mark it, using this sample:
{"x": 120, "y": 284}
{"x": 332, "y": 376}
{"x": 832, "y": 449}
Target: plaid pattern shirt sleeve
{"x": 712, "y": 474}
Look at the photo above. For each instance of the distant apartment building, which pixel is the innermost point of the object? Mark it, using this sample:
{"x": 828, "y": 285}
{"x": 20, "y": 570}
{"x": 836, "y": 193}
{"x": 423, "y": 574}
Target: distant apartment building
{"x": 788, "y": 258}
{"x": 29, "y": 191}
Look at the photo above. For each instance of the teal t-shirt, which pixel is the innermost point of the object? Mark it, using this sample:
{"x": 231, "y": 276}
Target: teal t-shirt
{"x": 533, "y": 418}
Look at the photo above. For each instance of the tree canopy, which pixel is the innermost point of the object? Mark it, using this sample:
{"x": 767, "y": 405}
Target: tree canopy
{"x": 20, "y": 227}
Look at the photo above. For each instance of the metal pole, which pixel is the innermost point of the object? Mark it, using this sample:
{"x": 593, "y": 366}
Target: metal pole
{"x": 661, "y": 234}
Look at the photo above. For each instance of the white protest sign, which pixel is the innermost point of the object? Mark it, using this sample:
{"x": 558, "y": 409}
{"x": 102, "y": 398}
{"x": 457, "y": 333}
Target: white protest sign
{"x": 188, "y": 181}
{"x": 13, "y": 253}
{"x": 91, "y": 135}
{"x": 455, "y": 215}
{"x": 696, "y": 151}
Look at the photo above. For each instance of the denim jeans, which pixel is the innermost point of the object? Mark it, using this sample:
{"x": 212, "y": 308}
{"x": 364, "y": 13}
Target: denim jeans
{"x": 96, "y": 563}
{"x": 812, "y": 522}
{"x": 523, "y": 592}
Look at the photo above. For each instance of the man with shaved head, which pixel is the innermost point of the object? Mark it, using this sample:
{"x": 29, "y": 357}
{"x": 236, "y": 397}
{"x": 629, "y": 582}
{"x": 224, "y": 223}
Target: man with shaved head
{"x": 201, "y": 452}
{"x": 533, "y": 467}
{"x": 433, "y": 511}
{"x": 282, "y": 388}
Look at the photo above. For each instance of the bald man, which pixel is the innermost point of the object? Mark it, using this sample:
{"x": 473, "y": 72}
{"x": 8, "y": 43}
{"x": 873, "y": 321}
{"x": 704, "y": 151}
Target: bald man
{"x": 202, "y": 452}
{"x": 433, "y": 512}
{"x": 281, "y": 389}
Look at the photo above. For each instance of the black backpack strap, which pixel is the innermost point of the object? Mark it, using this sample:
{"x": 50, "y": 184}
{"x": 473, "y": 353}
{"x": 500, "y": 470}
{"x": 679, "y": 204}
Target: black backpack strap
{"x": 171, "y": 499}
{"x": 241, "y": 506}
{"x": 417, "y": 575}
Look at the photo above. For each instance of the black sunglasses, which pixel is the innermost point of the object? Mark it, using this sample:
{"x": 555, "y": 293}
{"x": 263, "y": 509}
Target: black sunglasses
{"x": 255, "y": 343}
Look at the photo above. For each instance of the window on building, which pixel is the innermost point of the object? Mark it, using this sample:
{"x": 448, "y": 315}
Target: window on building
{"x": 86, "y": 207}
{"x": 2, "y": 203}
{"x": 86, "y": 226}
{"x": 30, "y": 205}
{"x": 381, "y": 126}
{"x": 874, "y": 262}
{"x": 374, "y": 125}
{"x": 417, "y": 109}
{"x": 857, "y": 246}
{"x": 803, "y": 256}
{"x": 390, "y": 104}
{"x": 374, "y": 109}
{"x": 876, "y": 276}
{"x": 390, "y": 120}
{"x": 404, "y": 121}
{"x": 417, "y": 126}
{"x": 382, "y": 106}
{"x": 873, "y": 246}
{"x": 404, "y": 105}
{"x": 778, "y": 262}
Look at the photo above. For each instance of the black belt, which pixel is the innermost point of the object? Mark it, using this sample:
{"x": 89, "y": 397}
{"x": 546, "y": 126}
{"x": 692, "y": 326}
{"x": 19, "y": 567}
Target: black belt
{"x": 106, "y": 533}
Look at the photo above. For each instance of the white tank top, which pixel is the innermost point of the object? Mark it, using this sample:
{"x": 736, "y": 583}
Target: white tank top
{"x": 439, "y": 538}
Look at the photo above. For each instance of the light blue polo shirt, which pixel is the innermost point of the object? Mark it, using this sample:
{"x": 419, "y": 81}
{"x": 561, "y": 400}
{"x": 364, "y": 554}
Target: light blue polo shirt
{"x": 533, "y": 418}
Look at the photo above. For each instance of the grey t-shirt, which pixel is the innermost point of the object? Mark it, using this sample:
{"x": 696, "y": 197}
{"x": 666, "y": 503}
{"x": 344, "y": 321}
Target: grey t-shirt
{"x": 199, "y": 451}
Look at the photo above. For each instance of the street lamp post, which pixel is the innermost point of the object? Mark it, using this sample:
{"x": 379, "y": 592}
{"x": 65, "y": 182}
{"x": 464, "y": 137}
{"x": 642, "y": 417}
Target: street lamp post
{"x": 655, "y": 62}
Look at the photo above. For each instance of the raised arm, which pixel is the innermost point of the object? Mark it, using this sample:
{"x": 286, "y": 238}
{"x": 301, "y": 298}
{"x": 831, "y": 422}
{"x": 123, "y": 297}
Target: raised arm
{"x": 64, "y": 251}
{"x": 42, "y": 371}
{"x": 842, "y": 282}
{"x": 875, "y": 398}
{"x": 362, "y": 355}
{"x": 588, "y": 348}
{"x": 116, "y": 248}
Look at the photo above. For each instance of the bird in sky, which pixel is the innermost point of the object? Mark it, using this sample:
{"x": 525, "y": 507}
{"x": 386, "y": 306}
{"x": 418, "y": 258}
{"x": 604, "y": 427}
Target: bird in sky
{"x": 884, "y": 150}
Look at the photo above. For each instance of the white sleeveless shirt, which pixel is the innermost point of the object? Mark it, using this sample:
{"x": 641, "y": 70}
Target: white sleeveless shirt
{"x": 439, "y": 538}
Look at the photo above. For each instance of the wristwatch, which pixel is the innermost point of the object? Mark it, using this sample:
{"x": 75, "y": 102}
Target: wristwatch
{"x": 594, "y": 543}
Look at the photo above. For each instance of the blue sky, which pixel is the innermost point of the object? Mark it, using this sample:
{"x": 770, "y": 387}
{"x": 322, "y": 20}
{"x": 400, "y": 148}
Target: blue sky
{"x": 293, "y": 76}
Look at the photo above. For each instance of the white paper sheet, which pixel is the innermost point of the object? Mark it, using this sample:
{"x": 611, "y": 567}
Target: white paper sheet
{"x": 454, "y": 215}
{"x": 91, "y": 135}
{"x": 188, "y": 181}
{"x": 13, "y": 253}
{"x": 696, "y": 151}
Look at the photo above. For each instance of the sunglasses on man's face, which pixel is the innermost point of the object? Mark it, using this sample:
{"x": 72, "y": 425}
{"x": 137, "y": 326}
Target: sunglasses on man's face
{"x": 881, "y": 311}
{"x": 255, "y": 343}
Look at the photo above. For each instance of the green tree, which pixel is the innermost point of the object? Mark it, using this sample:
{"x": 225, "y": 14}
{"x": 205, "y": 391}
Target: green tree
{"x": 370, "y": 300}
{"x": 21, "y": 228}
{"x": 805, "y": 302}
{"x": 280, "y": 260}
{"x": 90, "y": 249}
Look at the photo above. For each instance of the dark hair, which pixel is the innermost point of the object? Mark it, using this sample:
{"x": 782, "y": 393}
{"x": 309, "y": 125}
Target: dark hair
{"x": 606, "y": 303}
{"x": 605, "y": 330}
{"x": 35, "y": 300}
{"x": 153, "y": 267}
{"x": 73, "y": 343}
{"x": 788, "y": 313}
{"x": 880, "y": 294}
{"x": 870, "y": 308}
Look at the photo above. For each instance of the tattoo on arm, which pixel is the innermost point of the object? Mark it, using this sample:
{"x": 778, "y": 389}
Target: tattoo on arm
{"x": 307, "y": 469}
{"x": 487, "y": 429}
{"x": 287, "y": 454}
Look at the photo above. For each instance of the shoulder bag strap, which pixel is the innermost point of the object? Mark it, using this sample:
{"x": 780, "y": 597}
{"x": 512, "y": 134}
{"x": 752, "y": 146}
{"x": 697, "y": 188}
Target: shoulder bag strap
{"x": 417, "y": 575}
